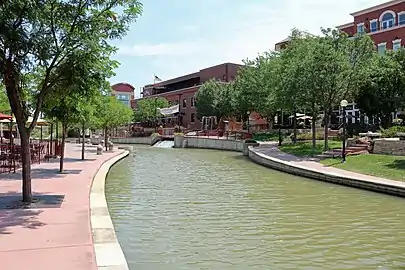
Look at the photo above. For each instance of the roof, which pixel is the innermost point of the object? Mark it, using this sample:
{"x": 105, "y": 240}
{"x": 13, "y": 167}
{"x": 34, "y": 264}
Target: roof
{"x": 377, "y": 7}
{"x": 123, "y": 87}
{"x": 345, "y": 25}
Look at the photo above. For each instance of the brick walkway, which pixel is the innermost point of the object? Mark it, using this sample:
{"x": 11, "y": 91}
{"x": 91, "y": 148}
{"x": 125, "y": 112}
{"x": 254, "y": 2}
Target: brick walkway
{"x": 271, "y": 149}
{"x": 55, "y": 232}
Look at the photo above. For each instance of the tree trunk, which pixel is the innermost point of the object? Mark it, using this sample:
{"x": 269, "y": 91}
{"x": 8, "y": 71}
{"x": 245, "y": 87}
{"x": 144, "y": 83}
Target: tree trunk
{"x": 26, "y": 165}
{"x": 326, "y": 130}
{"x": 62, "y": 151}
{"x": 295, "y": 127}
{"x": 83, "y": 137}
{"x": 11, "y": 80}
{"x": 313, "y": 127}
{"x": 105, "y": 139}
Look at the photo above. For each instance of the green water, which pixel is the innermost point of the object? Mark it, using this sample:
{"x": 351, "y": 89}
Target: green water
{"x": 201, "y": 209}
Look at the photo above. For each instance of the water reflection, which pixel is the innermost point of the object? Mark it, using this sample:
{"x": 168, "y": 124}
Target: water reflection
{"x": 203, "y": 209}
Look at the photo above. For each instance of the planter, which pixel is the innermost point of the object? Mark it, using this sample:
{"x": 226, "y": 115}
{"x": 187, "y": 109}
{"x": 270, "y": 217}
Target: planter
{"x": 401, "y": 136}
{"x": 246, "y": 147}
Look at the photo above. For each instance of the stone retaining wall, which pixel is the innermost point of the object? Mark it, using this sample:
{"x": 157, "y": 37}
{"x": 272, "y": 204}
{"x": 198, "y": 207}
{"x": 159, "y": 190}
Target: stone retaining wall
{"x": 389, "y": 147}
{"x": 132, "y": 140}
{"x": 212, "y": 143}
{"x": 288, "y": 167}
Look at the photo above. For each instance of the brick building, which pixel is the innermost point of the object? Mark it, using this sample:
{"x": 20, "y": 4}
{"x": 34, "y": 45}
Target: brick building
{"x": 124, "y": 93}
{"x": 182, "y": 90}
{"x": 385, "y": 24}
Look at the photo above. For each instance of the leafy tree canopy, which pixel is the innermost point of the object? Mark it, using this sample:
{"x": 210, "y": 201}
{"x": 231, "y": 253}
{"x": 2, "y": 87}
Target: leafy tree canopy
{"x": 147, "y": 108}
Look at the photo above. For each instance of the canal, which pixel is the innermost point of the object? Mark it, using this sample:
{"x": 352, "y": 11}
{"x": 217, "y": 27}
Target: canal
{"x": 176, "y": 209}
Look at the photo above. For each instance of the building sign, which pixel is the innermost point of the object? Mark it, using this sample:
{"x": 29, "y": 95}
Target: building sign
{"x": 170, "y": 110}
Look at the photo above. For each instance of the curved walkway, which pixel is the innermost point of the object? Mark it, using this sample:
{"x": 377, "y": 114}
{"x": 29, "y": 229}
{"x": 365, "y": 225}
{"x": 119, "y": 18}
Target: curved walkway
{"x": 269, "y": 155}
{"x": 53, "y": 233}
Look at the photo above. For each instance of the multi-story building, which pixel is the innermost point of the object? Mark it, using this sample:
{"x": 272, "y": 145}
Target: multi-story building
{"x": 385, "y": 24}
{"x": 124, "y": 92}
{"x": 182, "y": 90}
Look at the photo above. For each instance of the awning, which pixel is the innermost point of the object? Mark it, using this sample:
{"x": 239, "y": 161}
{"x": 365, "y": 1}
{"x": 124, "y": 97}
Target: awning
{"x": 170, "y": 110}
{"x": 5, "y": 116}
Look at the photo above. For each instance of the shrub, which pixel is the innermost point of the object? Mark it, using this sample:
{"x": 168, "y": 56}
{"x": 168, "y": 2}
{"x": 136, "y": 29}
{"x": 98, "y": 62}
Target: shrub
{"x": 392, "y": 131}
{"x": 250, "y": 141}
{"x": 267, "y": 136}
{"x": 308, "y": 136}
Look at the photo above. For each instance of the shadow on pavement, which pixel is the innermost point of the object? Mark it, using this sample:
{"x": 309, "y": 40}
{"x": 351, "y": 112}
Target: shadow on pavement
{"x": 13, "y": 212}
{"x": 40, "y": 173}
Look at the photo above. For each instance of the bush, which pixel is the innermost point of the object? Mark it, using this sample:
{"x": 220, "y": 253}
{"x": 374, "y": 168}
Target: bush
{"x": 250, "y": 141}
{"x": 267, "y": 136}
{"x": 392, "y": 131}
{"x": 308, "y": 136}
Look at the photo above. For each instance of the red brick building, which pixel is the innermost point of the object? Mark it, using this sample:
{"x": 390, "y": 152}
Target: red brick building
{"x": 384, "y": 23}
{"x": 181, "y": 90}
{"x": 124, "y": 93}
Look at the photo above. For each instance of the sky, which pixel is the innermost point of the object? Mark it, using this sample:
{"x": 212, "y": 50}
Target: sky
{"x": 176, "y": 37}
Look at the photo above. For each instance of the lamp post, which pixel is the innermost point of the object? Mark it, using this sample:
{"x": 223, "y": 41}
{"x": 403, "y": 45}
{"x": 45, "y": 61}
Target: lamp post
{"x": 248, "y": 124}
{"x": 344, "y": 104}
{"x": 279, "y": 127}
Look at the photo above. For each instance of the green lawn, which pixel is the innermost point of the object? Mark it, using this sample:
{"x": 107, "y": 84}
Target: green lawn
{"x": 391, "y": 167}
{"x": 304, "y": 149}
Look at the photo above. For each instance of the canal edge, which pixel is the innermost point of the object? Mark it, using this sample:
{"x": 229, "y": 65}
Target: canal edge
{"x": 107, "y": 249}
{"x": 380, "y": 185}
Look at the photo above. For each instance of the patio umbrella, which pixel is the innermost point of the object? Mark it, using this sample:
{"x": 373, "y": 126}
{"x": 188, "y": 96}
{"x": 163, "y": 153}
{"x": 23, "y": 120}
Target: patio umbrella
{"x": 4, "y": 118}
{"x": 40, "y": 122}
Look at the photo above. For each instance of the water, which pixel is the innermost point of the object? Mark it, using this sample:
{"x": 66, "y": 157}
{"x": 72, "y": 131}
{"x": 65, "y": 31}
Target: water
{"x": 164, "y": 144}
{"x": 203, "y": 209}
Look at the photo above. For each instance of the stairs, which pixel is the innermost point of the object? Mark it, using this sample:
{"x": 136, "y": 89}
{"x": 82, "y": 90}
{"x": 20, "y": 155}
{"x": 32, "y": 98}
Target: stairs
{"x": 355, "y": 149}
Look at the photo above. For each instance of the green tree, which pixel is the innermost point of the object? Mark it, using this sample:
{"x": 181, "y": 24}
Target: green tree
{"x": 383, "y": 93}
{"x": 215, "y": 98}
{"x": 46, "y": 36}
{"x": 111, "y": 113}
{"x": 147, "y": 108}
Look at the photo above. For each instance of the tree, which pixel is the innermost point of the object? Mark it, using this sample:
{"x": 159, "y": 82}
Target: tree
{"x": 44, "y": 37}
{"x": 255, "y": 86}
{"x": 111, "y": 114}
{"x": 215, "y": 98}
{"x": 4, "y": 104}
{"x": 383, "y": 93}
{"x": 147, "y": 108}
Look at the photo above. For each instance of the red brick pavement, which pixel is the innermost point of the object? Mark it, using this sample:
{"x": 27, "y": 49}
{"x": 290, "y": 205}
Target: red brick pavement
{"x": 57, "y": 238}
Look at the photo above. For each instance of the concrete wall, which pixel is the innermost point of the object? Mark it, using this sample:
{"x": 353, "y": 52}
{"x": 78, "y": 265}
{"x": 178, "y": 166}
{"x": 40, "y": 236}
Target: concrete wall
{"x": 208, "y": 143}
{"x": 132, "y": 140}
{"x": 388, "y": 186}
{"x": 389, "y": 147}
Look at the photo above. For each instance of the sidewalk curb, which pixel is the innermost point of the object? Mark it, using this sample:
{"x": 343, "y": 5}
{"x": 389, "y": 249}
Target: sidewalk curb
{"x": 107, "y": 249}
{"x": 380, "y": 185}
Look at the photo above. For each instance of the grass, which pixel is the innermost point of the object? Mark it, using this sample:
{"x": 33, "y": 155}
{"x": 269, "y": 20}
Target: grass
{"x": 304, "y": 149}
{"x": 385, "y": 166}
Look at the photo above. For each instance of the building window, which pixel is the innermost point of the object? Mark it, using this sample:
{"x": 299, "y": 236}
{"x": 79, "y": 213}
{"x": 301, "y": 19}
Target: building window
{"x": 401, "y": 18}
{"x": 360, "y": 28}
{"x": 396, "y": 44}
{"x": 373, "y": 25}
{"x": 387, "y": 19}
{"x": 381, "y": 48}
{"x": 192, "y": 102}
{"x": 192, "y": 120}
{"x": 184, "y": 103}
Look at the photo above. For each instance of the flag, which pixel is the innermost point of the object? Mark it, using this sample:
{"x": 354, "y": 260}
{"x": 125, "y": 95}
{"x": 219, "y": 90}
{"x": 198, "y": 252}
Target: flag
{"x": 157, "y": 79}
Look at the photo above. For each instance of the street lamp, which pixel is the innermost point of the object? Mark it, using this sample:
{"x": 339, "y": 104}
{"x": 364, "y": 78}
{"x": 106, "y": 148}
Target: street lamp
{"x": 248, "y": 124}
{"x": 344, "y": 104}
{"x": 280, "y": 140}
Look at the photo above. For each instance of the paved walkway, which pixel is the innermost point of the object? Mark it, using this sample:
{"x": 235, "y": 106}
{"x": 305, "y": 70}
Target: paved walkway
{"x": 55, "y": 232}
{"x": 271, "y": 149}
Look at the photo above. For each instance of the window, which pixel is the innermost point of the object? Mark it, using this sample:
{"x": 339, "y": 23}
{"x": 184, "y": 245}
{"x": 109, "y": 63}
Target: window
{"x": 396, "y": 44}
{"x": 192, "y": 118}
{"x": 373, "y": 25}
{"x": 381, "y": 48}
{"x": 401, "y": 18}
{"x": 192, "y": 102}
{"x": 387, "y": 20}
{"x": 360, "y": 28}
{"x": 184, "y": 103}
